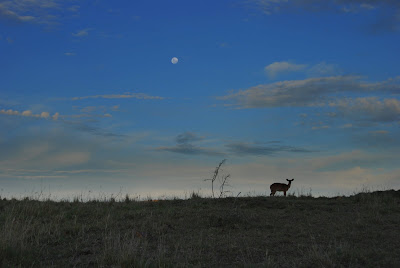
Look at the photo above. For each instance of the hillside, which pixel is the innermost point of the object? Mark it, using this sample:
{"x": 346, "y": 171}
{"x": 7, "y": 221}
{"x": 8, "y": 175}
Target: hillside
{"x": 357, "y": 231}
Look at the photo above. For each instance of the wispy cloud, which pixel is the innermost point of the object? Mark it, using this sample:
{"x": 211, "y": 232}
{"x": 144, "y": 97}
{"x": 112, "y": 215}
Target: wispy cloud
{"x": 120, "y": 96}
{"x": 90, "y": 115}
{"x": 69, "y": 54}
{"x": 351, "y": 159}
{"x": 33, "y": 11}
{"x": 387, "y": 140}
{"x": 308, "y": 92}
{"x": 317, "y": 70}
{"x": 40, "y": 153}
{"x": 346, "y": 125}
{"x": 390, "y": 9}
{"x": 386, "y": 23}
{"x": 248, "y": 148}
{"x": 188, "y": 137}
{"x": 74, "y": 8}
{"x": 189, "y": 149}
{"x": 94, "y": 130}
{"x": 346, "y": 6}
{"x": 275, "y": 68}
{"x": 320, "y": 127}
{"x": 372, "y": 103}
{"x": 7, "y": 12}
{"x": 369, "y": 108}
{"x": 99, "y": 110}
{"x": 323, "y": 69}
{"x": 185, "y": 146}
{"x": 379, "y": 132}
{"x": 82, "y": 33}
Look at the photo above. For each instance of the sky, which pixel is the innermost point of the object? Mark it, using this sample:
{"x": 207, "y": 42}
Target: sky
{"x": 92, "y": 105}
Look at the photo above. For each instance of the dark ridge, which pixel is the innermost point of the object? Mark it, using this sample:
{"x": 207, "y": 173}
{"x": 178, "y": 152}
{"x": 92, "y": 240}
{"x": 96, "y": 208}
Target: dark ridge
{"x": 204, "y": 232}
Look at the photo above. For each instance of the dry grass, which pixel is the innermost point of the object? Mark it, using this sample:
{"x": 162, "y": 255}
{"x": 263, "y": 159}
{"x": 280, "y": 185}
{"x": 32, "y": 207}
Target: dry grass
{"x": 357, "y": 231}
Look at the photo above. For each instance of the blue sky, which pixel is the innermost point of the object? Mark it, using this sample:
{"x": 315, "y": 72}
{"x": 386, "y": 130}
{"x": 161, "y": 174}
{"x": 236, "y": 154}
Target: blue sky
{"x": 304, "y": 89}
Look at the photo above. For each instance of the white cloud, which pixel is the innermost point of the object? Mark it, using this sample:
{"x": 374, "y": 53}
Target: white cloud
{"x": 83, "y": 32}
{"x": 31, "y": 11}
{"x": 327, "y": 93}
{"x": 323, "y": 69}
{"x": 28, "y": 113}
{"x": 317, "y": 70}
{"x": 7, "y": 13}
{"x": 320, "y": 127}
{"x": 346, "y": 126}
{"x": 369, "y": 108}
{"x": 312, "y": 92}
{"x": 44, "y": 115}
{"x": 55, "y": 116}
{"x": 9, "y": 112}
{"x": 297, "y": 93}
{"x": 283, "y": 67}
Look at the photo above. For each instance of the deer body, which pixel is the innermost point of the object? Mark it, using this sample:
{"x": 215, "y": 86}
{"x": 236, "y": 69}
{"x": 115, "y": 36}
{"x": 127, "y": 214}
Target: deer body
{"x": 280, "y": 187}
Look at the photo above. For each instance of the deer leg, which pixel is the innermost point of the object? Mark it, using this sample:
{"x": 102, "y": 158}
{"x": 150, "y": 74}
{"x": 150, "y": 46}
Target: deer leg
{"x": 284, "y": 192}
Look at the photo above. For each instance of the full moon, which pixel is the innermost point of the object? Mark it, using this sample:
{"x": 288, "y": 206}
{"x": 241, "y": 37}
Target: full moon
{"x": 174, "y": 60}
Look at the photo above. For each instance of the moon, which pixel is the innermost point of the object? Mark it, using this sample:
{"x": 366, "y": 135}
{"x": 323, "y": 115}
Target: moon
{"x": 174, "y": 60}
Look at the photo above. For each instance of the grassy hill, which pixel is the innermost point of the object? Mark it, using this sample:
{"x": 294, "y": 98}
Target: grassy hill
{"x": 358, "y": 231}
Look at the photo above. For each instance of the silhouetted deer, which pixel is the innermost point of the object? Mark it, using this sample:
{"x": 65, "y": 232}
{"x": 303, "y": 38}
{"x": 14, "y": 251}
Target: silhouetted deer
{"x": 280, "y": 187}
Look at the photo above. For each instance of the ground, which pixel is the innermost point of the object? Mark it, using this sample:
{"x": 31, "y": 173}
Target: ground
{"x": 356, "y": 231}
